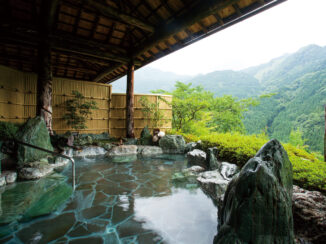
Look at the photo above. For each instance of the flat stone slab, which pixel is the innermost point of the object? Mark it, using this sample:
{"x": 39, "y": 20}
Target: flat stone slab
{"x": 122, "y": 150}
{"x": 90, "y": 151}
{"x": 149, "y": 150}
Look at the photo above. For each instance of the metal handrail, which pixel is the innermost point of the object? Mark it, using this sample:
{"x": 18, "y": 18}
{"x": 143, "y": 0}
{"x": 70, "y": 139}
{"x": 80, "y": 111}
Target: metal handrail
{"x": 54, "y": 154}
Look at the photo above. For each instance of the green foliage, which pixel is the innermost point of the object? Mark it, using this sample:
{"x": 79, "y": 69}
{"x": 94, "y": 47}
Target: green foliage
{"x": 188, "y": 104}
{"x": 198, "y": 112}
{"x": 296, "y": 139}
{"x": 152, "y": 111}
{"x": 8, "y": 130}
{"x": 308, "y": 171}
{"x": 78, "y": 110}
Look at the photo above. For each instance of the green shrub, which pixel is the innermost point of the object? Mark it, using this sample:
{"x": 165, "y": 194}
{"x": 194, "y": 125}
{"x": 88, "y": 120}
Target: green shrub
{"x": 8, "y": 130}
{"x": 78, "y": 110}
{"x": 308, "y": 171}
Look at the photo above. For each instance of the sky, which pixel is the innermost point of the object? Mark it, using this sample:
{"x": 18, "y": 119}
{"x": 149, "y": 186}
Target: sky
{"x": 282, "y": 29}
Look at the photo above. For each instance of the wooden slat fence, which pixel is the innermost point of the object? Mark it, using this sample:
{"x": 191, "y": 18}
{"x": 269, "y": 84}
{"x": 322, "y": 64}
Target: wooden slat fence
{"x": 18, "y": 103}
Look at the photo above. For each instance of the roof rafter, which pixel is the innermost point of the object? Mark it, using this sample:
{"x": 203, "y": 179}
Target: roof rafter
{"x": 108, "y": 11}
{"x": 198, "y": 12}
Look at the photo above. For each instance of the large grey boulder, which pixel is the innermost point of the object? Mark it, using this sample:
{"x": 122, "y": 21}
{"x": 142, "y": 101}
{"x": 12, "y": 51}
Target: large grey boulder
{"x": 257, "y": 207}
{"x": 197, "y": 157}
{"x": 228, "y": 170}
{"x": 213, "y": 184}
{"x": 173, "y": 144}
{"x": 122, "y": 150}
{"x": 34, "y": 132}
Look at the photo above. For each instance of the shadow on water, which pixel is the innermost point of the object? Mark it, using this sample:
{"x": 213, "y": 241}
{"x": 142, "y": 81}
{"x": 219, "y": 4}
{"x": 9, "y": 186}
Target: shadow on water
{"x": 119, "y": 200}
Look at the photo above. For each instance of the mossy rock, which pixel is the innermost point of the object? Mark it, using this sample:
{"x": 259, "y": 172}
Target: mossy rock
{"x": 34, "y": 132}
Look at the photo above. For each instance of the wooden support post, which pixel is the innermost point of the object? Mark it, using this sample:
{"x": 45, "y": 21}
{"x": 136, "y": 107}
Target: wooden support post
{"x": 130, "y": 102}
{"x": 325, "y": 138}
{"x": 44, "y": 72}
{"x": 44, "y": 85}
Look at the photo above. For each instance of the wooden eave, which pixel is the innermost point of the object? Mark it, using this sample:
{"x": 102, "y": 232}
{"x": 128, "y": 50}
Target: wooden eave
{"x": 94, "y": 40}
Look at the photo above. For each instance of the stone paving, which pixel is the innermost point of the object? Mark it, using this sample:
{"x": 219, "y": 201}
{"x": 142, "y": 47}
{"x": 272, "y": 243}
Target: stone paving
{"x": 124, "y": 202}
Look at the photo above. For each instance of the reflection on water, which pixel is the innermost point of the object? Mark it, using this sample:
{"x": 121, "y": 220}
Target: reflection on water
{"x": 183, "y": 217}
{"x": 123, "y": 202}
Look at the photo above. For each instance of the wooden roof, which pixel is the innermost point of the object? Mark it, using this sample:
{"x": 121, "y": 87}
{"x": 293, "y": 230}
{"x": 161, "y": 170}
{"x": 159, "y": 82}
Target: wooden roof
{"x": 94, "y": 40}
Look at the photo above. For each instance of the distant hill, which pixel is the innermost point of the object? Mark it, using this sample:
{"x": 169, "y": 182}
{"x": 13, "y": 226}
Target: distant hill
{"x": 228, "y": 82}
{"x": 299, "y": 80}
{"x": 148, "y": 79}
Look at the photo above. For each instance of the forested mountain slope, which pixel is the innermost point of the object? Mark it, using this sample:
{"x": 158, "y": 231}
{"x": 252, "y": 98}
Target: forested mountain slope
{"x": 299, "y": 81}
{"x": 228, "y": 82}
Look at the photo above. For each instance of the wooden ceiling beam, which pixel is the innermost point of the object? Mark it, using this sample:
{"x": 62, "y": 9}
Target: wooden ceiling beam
{"x": 95, "y": 53}
{"x": 199, "y": 11}
{"x": 110, "y": 12}
{"x": 106, "y": 72}
{"x": 85, "y": 41}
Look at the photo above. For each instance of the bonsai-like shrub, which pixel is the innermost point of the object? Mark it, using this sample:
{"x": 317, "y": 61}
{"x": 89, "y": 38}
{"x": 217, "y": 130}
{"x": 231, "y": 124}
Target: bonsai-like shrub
{"x": 152, "y": 111}
{"x": 78, "y": 110}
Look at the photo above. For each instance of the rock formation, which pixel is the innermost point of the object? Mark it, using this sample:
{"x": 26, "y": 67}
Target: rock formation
{"x": 257, "y": 207}
{"x": 174, "y": 144}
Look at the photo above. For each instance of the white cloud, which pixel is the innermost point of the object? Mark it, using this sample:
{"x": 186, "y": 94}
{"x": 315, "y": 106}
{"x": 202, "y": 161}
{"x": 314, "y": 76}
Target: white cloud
{"x": 282, "y": 29}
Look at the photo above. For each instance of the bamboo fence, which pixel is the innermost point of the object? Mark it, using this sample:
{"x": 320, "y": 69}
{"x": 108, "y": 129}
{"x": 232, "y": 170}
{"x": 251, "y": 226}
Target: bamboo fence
{"x": 18, "y": 103}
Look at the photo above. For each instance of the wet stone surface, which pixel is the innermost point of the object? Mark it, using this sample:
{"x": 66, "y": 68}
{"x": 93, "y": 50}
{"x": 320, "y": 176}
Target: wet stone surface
{"x": 130, "y": 202}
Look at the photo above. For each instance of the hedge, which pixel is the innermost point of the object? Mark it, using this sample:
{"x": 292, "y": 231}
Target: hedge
{"x": 308, "y": 171}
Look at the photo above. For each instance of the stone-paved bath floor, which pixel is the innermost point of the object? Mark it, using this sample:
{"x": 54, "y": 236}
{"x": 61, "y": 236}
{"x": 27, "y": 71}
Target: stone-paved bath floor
{"x": 126, "y": 202}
